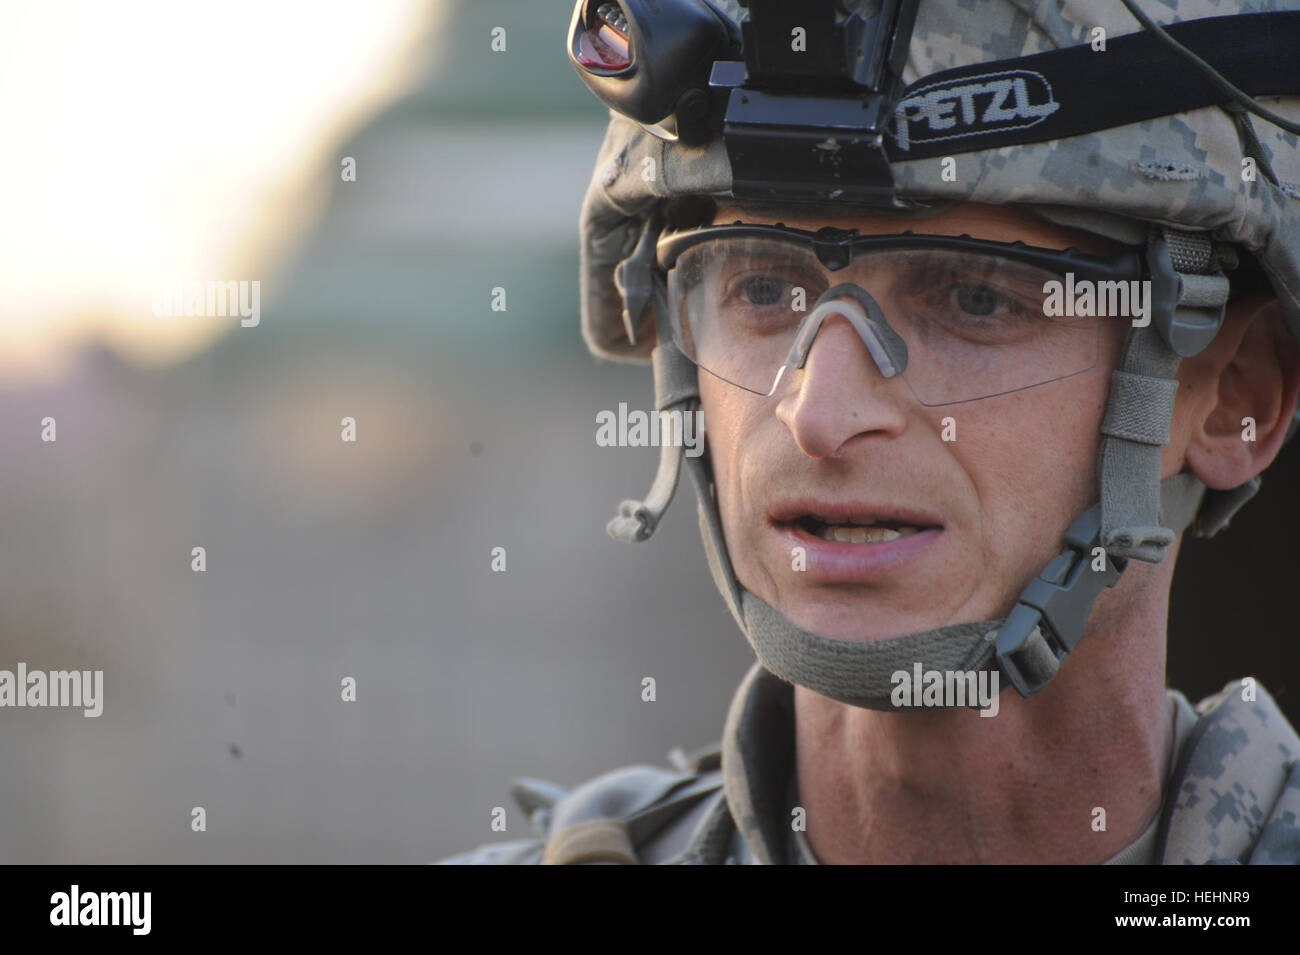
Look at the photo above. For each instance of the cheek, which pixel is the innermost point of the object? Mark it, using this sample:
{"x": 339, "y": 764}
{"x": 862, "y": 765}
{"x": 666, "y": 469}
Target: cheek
{"x": 1032, "y": 457}
{"x": 732, "y": 422}
{"x": 1022, "y": 467}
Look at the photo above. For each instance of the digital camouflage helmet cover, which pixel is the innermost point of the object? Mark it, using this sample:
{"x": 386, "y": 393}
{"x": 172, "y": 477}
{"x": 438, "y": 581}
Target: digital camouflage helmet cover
{"x": 1066, "y": 108}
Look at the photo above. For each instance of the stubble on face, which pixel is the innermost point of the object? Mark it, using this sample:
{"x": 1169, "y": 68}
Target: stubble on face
{"x": 1021, "y": 469}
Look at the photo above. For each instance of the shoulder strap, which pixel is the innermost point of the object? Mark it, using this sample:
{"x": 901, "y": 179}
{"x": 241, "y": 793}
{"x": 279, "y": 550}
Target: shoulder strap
{"x": 592, "y": 842}
{"x": 614, "y": 819}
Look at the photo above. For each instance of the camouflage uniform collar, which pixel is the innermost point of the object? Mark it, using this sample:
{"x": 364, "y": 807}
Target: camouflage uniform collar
{"x": 758, "y": 750}
{"x": 1236, "y": 789}
{"x": 1141, "y": 851}
{"x": 757, "y": 761}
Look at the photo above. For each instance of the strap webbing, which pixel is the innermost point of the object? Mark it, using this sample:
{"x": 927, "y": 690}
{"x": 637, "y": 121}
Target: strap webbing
{"x": 676, "y": 387}
{"x": 715, "y": 545}
{"x": 592, "y": 842}
{"x": 1134, "y": 429}
{"x": 857, "y": 672}
{"x": 1140, "y": 405}
{"x": 1220, "y": 506}
{"x": 860, "y": 672}
{"x": 1078, "y": 90}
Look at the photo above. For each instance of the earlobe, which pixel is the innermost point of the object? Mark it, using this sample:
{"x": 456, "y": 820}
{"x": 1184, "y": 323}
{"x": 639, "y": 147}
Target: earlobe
{"x": 1253, "y": 371}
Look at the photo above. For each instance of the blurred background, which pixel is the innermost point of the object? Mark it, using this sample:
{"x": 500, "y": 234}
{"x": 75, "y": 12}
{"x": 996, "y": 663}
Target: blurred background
{"x": 154, "y": 143}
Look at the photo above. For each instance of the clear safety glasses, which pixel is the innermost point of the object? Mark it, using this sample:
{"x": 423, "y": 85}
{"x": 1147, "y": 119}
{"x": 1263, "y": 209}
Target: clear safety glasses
{"x": 956, "y": 318}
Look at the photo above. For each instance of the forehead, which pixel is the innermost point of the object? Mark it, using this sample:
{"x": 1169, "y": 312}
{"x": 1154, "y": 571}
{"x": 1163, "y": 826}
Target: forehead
{"x": 998, "y": 223}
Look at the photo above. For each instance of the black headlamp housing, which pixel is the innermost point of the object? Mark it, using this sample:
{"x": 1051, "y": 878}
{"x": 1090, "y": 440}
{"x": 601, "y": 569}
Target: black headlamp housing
{"x": 837, "y": 46}
{"x": 800, "y": 93}
{"x": 671, "y": 47}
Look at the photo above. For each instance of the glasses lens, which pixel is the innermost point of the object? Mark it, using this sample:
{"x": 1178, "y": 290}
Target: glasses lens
{"x": 974, "y": 322}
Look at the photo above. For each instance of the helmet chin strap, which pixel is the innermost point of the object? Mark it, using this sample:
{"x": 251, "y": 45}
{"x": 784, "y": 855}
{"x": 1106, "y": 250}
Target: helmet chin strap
{"x": 1138, "y": 516}
{"x": 1027, "y": 646}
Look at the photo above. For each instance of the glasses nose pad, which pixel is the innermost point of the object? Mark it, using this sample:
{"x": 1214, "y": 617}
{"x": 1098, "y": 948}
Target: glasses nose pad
{"x": 886, "y": 346}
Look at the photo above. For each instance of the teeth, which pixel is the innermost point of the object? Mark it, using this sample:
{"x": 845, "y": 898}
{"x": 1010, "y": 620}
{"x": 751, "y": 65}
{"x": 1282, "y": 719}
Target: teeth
{"x": 848, "y": 522}
{"x": 857, "y": 534}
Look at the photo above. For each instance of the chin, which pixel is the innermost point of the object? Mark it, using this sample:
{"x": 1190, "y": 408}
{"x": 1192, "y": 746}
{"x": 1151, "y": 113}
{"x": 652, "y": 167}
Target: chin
{"x": 860, "y": 617}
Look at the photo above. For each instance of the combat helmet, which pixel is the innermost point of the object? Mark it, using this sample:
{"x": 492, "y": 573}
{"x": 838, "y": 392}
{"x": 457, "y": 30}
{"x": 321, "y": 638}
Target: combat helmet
{"x": 1173, "y": 131}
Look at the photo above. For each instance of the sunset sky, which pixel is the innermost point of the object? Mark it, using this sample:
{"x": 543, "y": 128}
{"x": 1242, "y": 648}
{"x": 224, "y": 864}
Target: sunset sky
{"x": 151, "y": 142}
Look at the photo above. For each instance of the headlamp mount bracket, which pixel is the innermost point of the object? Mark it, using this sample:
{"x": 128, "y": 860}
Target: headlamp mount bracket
{"x": 808, "y": 107}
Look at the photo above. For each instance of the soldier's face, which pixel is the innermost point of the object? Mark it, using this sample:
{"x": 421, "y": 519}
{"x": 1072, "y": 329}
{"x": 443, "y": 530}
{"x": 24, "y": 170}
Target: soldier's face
{"x": 841, "y": 445}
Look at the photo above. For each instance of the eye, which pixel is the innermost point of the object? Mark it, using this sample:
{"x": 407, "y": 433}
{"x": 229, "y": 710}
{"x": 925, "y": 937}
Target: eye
{"x": 981, "y": 300}
{"x": 762, "y": 290}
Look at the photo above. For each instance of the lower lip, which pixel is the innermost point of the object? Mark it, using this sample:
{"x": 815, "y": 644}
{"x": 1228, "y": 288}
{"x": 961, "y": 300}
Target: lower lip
{"x": 840, "y": 562}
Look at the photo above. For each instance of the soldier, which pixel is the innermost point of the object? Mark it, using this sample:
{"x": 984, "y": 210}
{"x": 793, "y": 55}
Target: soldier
{"x": 984, "y": 305}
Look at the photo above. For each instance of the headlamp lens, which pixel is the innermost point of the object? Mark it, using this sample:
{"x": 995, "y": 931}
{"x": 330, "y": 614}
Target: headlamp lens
{"x": 604, "y": 45}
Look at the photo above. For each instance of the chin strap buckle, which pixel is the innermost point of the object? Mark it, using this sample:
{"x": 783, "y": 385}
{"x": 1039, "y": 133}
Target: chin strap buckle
{"x": 1189, "y": 292}
{"x": 1049, "y": 616}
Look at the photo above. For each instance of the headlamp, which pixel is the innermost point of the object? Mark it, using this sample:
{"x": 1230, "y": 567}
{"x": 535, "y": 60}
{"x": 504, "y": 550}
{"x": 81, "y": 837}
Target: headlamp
{"x": 801, "y": 93}
{"x": 650, "y": 60}
{"x": 603, "y": 45}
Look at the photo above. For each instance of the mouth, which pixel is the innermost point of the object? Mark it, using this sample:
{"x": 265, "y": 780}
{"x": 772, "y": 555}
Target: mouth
{"x": 850, "y": 523}
{"x": 856, "y": 530}
{"x": 854, "y": 542}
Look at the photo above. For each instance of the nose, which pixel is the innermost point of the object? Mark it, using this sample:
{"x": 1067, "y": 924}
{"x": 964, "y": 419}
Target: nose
{"x": 841, "y": 393}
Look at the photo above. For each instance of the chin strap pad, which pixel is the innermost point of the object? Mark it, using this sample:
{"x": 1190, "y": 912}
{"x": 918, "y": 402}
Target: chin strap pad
{"x": 1028, "y": 646}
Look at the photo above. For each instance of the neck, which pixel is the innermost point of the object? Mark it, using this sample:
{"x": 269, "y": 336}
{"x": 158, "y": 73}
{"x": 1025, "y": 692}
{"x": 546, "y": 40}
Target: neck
{"x": 1026, "y": 786}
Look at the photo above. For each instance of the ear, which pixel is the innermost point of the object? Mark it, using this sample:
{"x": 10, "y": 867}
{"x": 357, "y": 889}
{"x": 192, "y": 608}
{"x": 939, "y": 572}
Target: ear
{"x": 1247, "y": 380}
